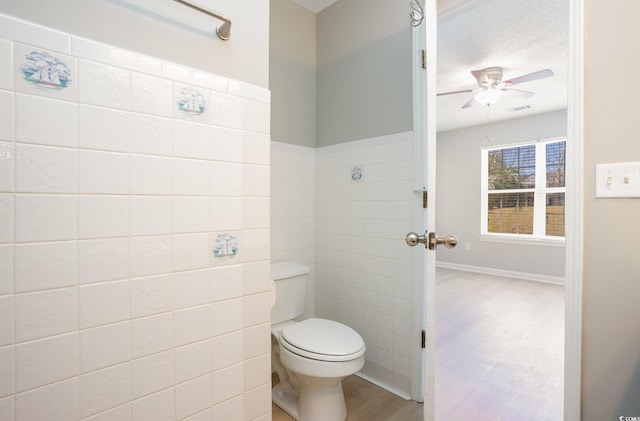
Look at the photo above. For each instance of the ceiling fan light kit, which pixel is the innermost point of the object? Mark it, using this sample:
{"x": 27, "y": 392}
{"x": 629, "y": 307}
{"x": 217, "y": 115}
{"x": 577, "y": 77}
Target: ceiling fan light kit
{"x": 491, "y": 87}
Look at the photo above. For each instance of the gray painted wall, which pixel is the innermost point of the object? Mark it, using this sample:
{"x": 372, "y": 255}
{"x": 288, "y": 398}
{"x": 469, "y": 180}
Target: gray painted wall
{"x": 611, "y": 296}
{"x": 458, "y": 186}
{"x": 364, "y": 71}
{"x": 292, "y": 74}
{"x": 165, "y": 30}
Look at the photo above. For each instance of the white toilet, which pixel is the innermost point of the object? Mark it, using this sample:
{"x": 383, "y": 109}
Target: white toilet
{"x": 311, "y": 357}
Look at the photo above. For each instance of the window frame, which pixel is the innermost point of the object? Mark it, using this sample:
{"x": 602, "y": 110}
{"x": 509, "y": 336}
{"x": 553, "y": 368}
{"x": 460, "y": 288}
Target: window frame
{"x": 540, "y": 193}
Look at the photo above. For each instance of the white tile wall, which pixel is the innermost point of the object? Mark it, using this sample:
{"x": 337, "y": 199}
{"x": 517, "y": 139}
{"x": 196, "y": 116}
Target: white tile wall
{"x": 112, "y": 305}
{"x": 364, "y": 269}
{"x": 293, "y": 188}
{"x": 351, "y": 233}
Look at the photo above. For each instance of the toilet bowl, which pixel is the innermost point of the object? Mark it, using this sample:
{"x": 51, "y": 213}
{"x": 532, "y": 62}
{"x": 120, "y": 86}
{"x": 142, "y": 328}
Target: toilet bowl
{"x": 312, "y": 356}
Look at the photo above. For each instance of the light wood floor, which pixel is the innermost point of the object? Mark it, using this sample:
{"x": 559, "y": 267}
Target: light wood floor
{"x": 499, "y": 348}
{"x": 499, "y": 355}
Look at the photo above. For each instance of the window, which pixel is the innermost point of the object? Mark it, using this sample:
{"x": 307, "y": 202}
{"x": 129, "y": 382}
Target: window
{"x": 523, "y": 190}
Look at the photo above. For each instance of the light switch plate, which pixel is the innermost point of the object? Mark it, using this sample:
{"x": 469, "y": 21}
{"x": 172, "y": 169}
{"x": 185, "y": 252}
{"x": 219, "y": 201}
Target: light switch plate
{"x": 618, "y": 180}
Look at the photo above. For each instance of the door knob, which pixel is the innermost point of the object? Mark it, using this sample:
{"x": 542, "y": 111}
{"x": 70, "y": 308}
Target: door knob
{"x": 431, "y": 240}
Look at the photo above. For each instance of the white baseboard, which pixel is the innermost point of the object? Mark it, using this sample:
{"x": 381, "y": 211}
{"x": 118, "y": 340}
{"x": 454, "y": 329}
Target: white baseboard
{"x": 558, "y": 280}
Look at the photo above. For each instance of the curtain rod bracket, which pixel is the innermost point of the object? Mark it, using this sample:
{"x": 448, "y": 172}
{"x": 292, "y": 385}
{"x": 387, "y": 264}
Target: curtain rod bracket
{"x": 223, "y": 30}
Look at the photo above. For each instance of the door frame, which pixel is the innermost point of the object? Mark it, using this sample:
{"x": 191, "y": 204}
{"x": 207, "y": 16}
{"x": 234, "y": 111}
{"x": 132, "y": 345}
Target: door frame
{"x": 574, "y": 206}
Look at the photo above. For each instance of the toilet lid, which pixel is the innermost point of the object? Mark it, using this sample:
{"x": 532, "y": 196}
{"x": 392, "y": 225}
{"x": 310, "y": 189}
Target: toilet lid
{"x": 323, "y": 340}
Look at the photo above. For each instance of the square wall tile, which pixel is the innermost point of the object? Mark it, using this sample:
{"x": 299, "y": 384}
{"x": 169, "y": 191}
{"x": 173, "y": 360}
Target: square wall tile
{"x": 190, "y": 251}
{"x": 103, "y": 216}
{"x": 226, "y": 316}
{"x": 191, "y": 140}
{"x": 257, "y": 371}
{"x": 57, "y": 401}
{"x": 46, "y": 121}
{"x": 7, "y": 409}
{"x": 105, "y": 53}
{"x": 6, "y": 218}
{"x": 151, "y": 295}
{"x": 226, "y": 144}
{"x": 151, "y": 95}
{"x": 151, "y": 175}
{"x": 255, "y": 180}
{"x": 7, "y": 372}
{"x": 192, "y": 325}
{"x": 152, "y": 374}
{"x": 7, "y": 115}
{"x": 46, "y": 169}
{"x": 190, "y": 214}
{"x": 151, "y": 135}
{"x": 193, "y": 396}
{"x": 230, "y": 410}
{"x": 45, "y": 218}
{"x": 152, "y": 334}
{"x": 257, "y": 402}
{"x": 190, "y": 177}
{"x": 103, "y": 260}
{"x": 103, "y": 172}
{"x": 45, "y": 73}
{"x": 7, "y": 320}
{"x": 7, "y": 152}
{"x": 256, "y": 309}
{"x": 105, "y": 346}
{"x": 45, "y": 361}
{"x": 257, "y": 340}
{"x": 256, "y": 116}
{"x": 104, "y": 389}
{"x": 6, "y": 64}
{"x": 226, "y": 282}
{"x": 225, "y": 213}
{"x": 150, "y": 215}
{"x": 103, "y": 129}
{"x": 227, "y": 350}
{"x": 59, "y": 307}
{"x": 103, "y": 303}
{"x": 149, "y": 255}
{"x": 193, "y": 361}
{"x": 255, "y": 212}
{"x": 154, "y": 407}
{"x": 191, "y": 288}
{"x": 226, "y": 179}
{"x": 101, "y": 84}
{"x": 227, "y": 383}
{"x": 226, "y": 110}
{"x": 256, "y": 148}
{"x": 6, "y": 269}
{"x": 119, "y": 413}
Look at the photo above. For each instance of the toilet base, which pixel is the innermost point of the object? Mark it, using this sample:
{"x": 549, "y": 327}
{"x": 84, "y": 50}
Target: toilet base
{"x": 287, "y": 401}
{"x": 313, "y": 404}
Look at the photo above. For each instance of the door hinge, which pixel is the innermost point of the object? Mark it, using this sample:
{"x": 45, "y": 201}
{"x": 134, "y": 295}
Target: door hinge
{"x": 424, "y": 339}
{"x": 424, "y": 199}
{"x": 424, "y": 59}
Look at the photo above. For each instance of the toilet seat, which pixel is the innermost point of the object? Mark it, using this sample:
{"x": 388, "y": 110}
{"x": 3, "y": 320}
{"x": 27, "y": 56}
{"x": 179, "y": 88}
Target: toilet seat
{"x": 323, "y": 340}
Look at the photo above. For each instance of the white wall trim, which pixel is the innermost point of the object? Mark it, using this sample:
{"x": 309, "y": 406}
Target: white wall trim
{"x": 506, "y": 273}
{"x": 575, "y": 207}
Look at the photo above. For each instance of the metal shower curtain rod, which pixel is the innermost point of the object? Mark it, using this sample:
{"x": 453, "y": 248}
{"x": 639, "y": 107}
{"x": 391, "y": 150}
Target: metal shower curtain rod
{"x": 223, "y": 30}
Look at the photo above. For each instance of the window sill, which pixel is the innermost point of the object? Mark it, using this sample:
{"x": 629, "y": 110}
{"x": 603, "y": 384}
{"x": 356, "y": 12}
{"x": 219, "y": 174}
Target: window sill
{"x": 547, "y": 242}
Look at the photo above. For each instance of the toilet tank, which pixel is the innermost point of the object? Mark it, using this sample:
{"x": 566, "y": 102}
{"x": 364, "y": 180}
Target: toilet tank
{"x": 289, "y": 285}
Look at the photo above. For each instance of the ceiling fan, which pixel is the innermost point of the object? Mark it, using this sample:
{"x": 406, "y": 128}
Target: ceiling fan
{"x": 491, "y": 87}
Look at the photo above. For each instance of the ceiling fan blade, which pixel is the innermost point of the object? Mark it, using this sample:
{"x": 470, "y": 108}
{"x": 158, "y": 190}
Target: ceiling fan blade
{"x": 480, "y": 76}
{"x": 456, "y": 92}
{"x": 520, "y": 93}
{"x": 528, "y": 78}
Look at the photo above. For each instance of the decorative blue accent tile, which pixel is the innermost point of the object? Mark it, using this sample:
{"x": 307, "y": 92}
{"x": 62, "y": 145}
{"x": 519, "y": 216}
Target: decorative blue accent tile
{"x": 191, "y": 101}
{"x": 356, "y": 173}
{"x": 226, "y": 246}
{"x": 46, "y": 70}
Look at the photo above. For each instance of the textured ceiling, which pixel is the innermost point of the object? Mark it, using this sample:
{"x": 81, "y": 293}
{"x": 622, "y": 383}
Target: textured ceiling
{"x": 521, "y": 36}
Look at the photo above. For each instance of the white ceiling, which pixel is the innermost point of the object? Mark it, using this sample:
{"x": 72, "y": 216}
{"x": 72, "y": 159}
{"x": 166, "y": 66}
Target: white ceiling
{"x": 521, "y": 36}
